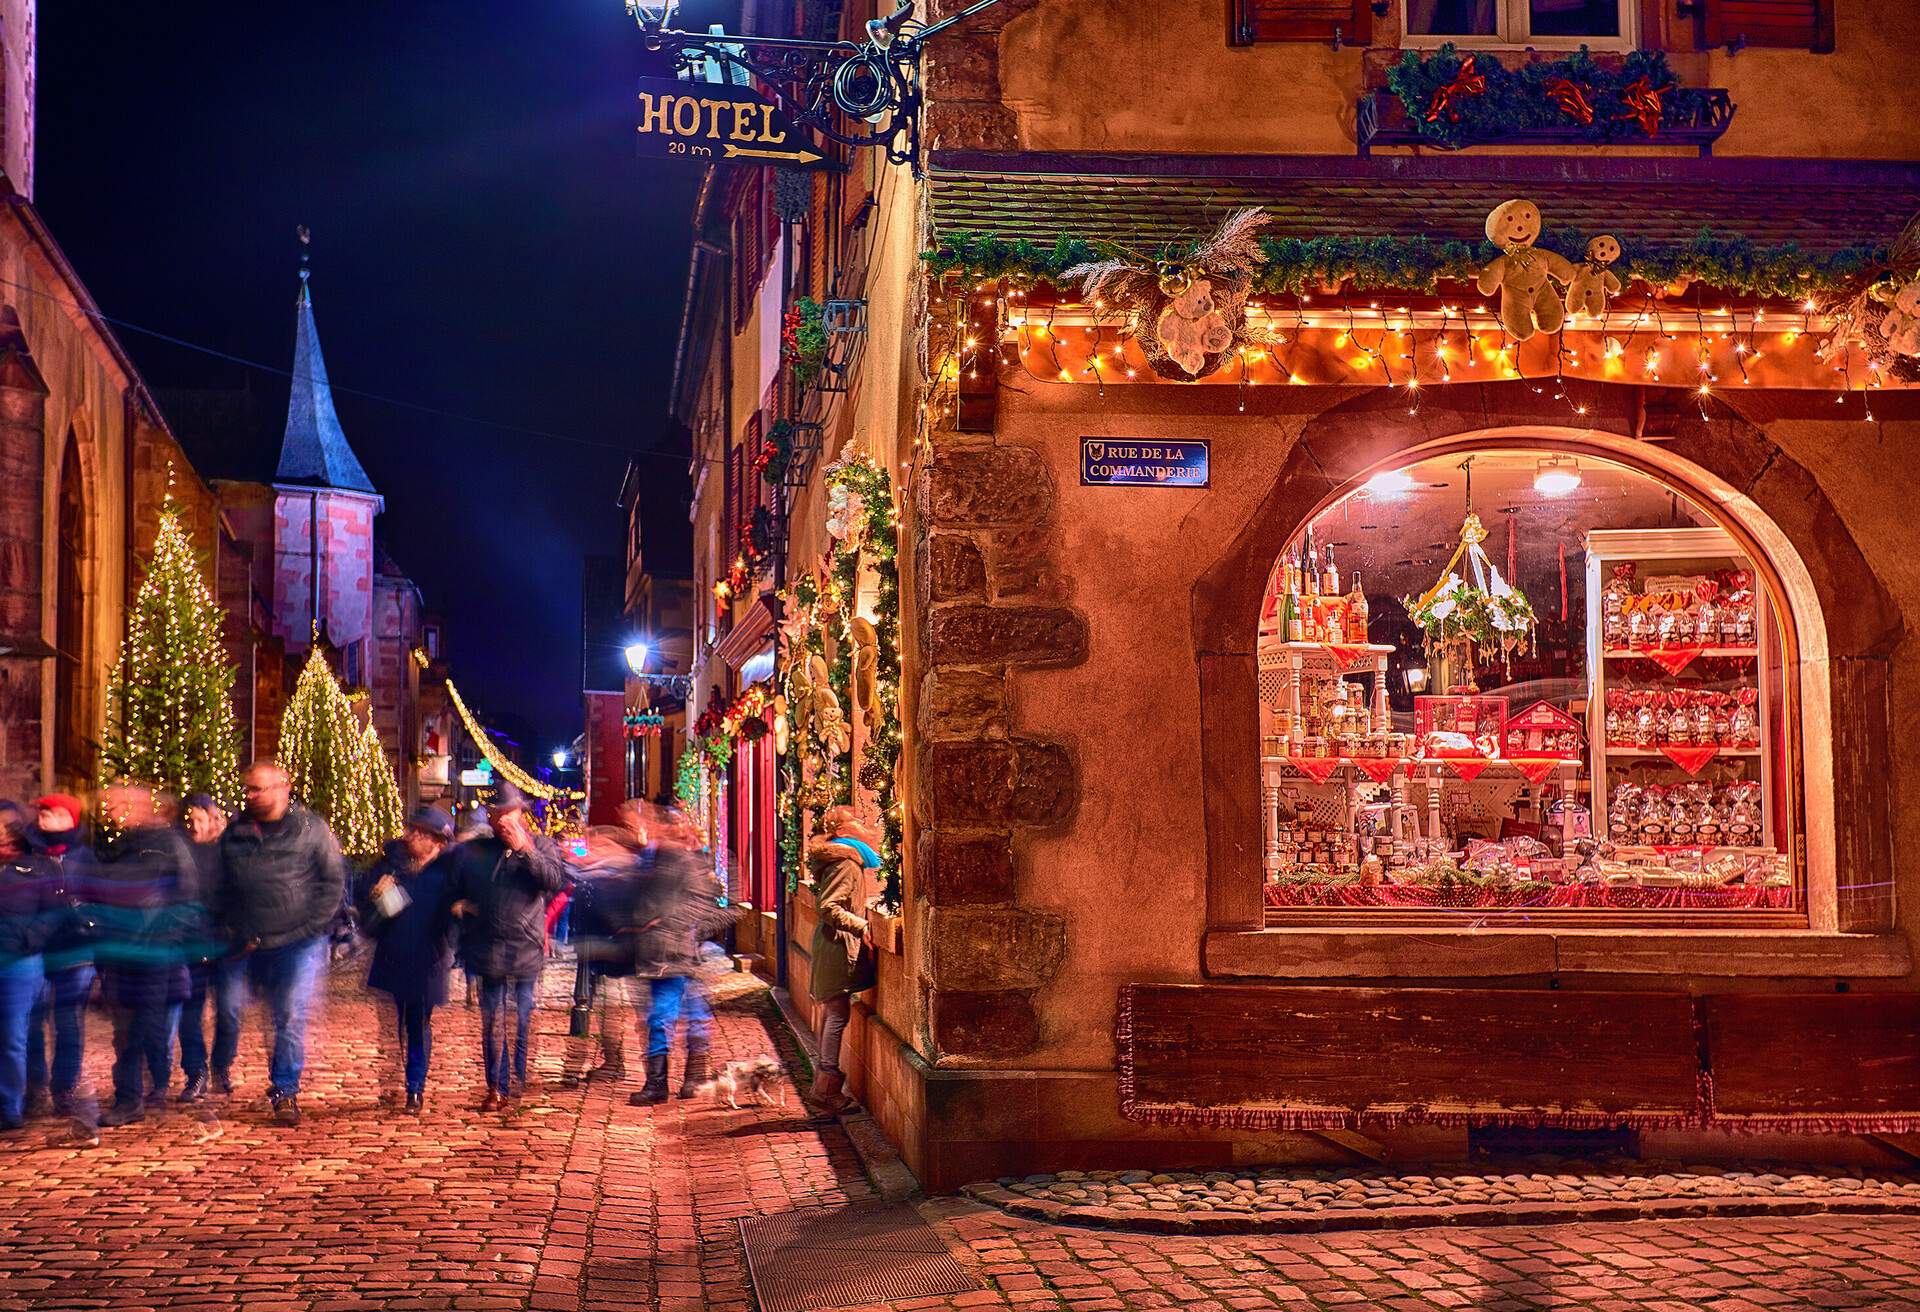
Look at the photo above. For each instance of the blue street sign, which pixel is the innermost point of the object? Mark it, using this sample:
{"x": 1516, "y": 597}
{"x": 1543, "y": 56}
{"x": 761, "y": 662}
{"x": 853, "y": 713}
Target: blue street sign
{"x": 1130, "y": 462}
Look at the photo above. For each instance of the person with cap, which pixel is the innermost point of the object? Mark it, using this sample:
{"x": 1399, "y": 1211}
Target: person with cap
{"x": 500, "y": 888}
{"x": 403, "y": 906}
{"x": 281, "y": 882}
{"x": 29, "y": 906}
{"x": 59, "y": 836}
{"x": 212, "y": 969}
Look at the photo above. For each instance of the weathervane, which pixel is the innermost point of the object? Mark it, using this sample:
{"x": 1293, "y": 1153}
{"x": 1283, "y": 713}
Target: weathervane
{"x": 856, "y": 93}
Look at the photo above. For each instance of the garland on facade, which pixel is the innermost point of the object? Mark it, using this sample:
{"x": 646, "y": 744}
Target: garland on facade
{"x": 1730, "y": 263}
{"x": 776, "y": 452}
{"x": 1455, "y": 100}
{"x": 503, "y": 766}
{"x": 862, "y": 677}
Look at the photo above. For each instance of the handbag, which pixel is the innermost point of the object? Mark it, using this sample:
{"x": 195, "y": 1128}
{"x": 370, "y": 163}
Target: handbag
{"x": 866, "y": 969}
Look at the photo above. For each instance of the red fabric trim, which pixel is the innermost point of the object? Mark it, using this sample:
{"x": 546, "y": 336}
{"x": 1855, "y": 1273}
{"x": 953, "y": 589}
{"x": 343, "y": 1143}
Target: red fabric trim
{"x": 1377, "y": 768}
{"x": 1691, "y": 759}
{"x": 1673, "y": 659}
{"x": 1468, "y": 770}
{"x": 1534, "y": 769}
{"x": 1316, "y": 768}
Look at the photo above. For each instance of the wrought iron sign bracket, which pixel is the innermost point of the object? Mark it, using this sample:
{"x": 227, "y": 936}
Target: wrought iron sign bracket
{"x": 860, "y": 94}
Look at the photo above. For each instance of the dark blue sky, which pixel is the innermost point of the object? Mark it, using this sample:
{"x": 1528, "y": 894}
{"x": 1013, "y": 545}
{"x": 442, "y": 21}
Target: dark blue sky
{"x": 485, "y": 243}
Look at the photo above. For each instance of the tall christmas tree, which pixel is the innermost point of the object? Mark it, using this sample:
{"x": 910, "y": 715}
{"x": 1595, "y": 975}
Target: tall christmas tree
{"x": 336, "y": 764}
{"x": 169, "y": 720}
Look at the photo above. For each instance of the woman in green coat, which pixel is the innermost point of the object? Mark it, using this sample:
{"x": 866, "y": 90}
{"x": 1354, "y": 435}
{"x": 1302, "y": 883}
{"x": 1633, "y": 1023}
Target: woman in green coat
{"x": 838, "y": 861}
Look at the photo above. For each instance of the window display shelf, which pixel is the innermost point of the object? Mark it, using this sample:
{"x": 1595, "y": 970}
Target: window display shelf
{"x": 1655, "y": 653}
{"x": 1653, "y": 752}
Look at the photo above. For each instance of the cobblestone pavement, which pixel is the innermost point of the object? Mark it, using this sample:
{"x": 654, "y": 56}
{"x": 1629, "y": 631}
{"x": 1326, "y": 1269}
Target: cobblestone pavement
{"x": 581, "y": 1201}
{"x": 1539, "y": 1189}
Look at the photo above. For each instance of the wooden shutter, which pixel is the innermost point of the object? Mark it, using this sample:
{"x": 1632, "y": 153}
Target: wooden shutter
{"x": 1767, "y": 24}
{"x": 730, "y": 508}
{"x": 1255, "y": 21}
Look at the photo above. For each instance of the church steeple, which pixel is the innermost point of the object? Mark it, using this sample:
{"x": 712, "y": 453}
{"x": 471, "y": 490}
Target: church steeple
{"x": 314, "y": 451}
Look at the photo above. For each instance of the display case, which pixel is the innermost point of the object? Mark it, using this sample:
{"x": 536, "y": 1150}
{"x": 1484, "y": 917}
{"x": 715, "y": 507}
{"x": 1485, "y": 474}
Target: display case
{"x": 1683, "y": 656}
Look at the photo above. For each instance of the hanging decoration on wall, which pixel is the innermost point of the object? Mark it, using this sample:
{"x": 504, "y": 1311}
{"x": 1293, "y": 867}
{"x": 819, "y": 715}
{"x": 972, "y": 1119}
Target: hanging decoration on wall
{"x": 1188, "y": 310}
{"x": 803, "y": 340}
{"x": 1523, "y": 274}
{"x": 837, "y": 663}
{"x": 1457, "y": 99}
{"x": 1594, "y": 281}
{"x": 1470, "y": 618}
{"x": 1882, "y": 319}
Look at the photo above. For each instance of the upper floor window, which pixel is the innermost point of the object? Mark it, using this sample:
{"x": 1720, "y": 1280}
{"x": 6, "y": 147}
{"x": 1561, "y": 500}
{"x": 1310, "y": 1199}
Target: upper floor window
{"x": 1549, "y": 24}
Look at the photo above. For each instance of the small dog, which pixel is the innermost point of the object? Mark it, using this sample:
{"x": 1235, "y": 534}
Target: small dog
{"x": 757, "y": 1078}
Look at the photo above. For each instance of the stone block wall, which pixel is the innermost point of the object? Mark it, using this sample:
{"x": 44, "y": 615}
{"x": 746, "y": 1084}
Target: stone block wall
{"x": 23, "y": 398}
{"x": 345, "y": 547}
{"x": 987, "y": 604}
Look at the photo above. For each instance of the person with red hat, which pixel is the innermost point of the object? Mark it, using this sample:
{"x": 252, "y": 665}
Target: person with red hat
{"x": 58, "y": 836}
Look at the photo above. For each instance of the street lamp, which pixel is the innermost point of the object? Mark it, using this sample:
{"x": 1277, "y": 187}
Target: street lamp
{"x": 559, "y": 758}
{"x": 636, "y": 654}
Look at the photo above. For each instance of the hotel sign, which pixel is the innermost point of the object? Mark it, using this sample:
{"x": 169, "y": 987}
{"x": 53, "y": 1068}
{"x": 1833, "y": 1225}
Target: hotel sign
{"x": 710, "y": 122}
{"x": 1130, "y": 462}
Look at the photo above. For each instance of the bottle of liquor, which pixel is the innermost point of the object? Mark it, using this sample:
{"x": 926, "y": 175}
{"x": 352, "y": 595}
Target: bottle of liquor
{"x": 1357, "y": 609}
{"x": 1330, "y": 581}
{"x": 1294, "y": 630}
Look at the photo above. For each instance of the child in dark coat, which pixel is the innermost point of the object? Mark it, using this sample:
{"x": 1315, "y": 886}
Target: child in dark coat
{"x": 404, "y": 905}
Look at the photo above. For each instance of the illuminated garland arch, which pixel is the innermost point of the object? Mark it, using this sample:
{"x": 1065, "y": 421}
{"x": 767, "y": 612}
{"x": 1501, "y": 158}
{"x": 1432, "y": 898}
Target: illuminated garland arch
{"x": 505, "y": 768}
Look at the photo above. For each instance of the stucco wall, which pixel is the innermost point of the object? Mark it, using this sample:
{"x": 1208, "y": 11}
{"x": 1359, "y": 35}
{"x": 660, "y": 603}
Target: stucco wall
{"x": 1094, "y": 75}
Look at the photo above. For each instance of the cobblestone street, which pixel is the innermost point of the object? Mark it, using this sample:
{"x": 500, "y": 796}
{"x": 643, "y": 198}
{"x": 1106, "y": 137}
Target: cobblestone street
{"x": 581, "y": 1201}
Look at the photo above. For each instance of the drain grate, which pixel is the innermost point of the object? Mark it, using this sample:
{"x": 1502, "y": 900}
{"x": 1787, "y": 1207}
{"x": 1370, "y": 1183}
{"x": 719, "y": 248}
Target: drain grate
{"x": 818, "y": 1258}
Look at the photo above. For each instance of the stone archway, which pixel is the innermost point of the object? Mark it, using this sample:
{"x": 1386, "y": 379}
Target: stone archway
{"x": 1846, "y": 622}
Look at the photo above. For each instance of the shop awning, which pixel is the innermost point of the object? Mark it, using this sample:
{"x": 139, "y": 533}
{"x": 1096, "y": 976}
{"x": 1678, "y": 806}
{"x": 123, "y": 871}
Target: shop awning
{"x": 1143, "y": 201}
{"x": 750, "y": 635}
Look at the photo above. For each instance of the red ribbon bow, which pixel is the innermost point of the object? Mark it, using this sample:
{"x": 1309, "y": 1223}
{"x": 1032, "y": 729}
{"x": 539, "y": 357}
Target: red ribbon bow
{"x": 1643, "y": 105}
{"x": 1573, "y": 102}
{"x": 1465, "y": 83}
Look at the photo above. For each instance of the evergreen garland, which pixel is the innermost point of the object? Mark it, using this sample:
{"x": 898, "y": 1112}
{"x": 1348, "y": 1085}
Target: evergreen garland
{"x": 1517, "y": 101}
{"x": 1295, "y": 265}
{"x": 170, "y": 722}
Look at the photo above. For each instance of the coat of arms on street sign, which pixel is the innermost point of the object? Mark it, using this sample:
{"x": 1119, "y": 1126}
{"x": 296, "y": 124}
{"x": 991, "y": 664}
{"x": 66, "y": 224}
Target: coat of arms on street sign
{"x": 710, "y": 122}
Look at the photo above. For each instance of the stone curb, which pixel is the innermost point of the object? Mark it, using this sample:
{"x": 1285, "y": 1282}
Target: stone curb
{"x": 1410, "y": 1218}
{"x": 870, "y": 1144}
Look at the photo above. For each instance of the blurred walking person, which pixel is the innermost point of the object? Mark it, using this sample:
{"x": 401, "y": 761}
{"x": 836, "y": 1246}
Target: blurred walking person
{"x": 842, "y": 943}
{"x": 607, "y": 884}
{"x": 281, "y": 882}
{"x": 501, "y": 883}
{"x": 404, "y": 909}
{"x": 29, "y": 908}
{"x": 212, "y": 971}
{"x": 59, "y": 835}
{"x": 141, "y": 886}
{"x": 678, "y": 905}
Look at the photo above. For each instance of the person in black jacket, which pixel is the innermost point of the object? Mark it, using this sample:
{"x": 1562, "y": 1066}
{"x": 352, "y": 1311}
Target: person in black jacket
{"x": 212, "y": 970}
{"x": 500, "y": 889}
{"x": 281, "y": 883}
{"x": 138, "y": 901}
{"x": 413, "y": 945}
{"x": 677, "y": 907}
{"x": 29, "y": 907}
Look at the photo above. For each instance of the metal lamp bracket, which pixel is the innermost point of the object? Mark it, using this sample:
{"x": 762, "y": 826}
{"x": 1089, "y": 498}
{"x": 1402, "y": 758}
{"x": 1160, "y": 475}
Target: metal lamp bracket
{"x": 860, "y": 94}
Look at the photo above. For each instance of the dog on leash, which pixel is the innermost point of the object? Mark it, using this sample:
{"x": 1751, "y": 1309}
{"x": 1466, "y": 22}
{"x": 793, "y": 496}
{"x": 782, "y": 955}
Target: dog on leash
{"x": 756, "y": 1078}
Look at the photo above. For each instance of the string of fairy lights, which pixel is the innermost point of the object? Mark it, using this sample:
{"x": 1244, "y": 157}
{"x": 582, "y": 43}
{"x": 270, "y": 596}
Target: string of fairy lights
{"x": 503, "y": 766}
{"x": 336, "y": 764}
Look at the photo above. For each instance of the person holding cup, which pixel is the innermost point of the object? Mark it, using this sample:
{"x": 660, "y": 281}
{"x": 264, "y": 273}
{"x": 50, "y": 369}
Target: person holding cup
{"x": 404, "y": 908}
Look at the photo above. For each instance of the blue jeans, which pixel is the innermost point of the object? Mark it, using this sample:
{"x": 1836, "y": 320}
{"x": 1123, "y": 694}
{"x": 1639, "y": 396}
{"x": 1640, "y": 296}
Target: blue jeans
{"x": 668, "y": 998}
{"x": 143, "y": 1036}
{"x": 20, "y": 981}
{"x": 222, "y": 981}
{"x": 413, "y": 1021}
{"x": 283, "y": 978}
{"x": 65, "y": 1000}
{"x": 504, "y": 1060}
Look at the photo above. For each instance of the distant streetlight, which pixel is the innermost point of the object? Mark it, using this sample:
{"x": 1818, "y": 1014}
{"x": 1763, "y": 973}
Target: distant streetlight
{"x": 637, "y": 654}
{"x": 559, "y": 758}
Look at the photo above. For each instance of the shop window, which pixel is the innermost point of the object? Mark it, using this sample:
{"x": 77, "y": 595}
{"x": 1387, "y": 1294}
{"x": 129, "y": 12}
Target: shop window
{"x": 1526, "y": 681}
{"x": 1601, "y": 24}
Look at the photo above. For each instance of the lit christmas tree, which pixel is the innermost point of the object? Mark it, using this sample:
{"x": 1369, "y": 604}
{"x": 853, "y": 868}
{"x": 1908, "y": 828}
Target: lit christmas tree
{"x": 169, "y": 720}
{"x": 335, "y": 763}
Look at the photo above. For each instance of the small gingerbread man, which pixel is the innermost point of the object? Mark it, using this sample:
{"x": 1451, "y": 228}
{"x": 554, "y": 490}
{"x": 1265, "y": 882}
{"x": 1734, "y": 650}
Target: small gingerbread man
{"x": 1593, "y": 282}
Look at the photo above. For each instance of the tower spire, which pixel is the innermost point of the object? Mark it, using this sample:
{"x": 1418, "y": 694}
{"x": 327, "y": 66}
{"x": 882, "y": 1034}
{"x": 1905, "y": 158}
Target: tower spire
{"x": 314, "y": 450}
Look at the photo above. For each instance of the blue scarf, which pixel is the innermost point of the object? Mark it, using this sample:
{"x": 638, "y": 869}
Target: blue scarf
{"x": 868, "y": 857}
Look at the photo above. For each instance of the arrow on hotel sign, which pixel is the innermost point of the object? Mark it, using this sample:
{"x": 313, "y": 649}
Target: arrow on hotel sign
{"x": 707, "y": 121}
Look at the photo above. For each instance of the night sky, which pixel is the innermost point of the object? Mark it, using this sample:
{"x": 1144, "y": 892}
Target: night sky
{"x": 485, "y": 243}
